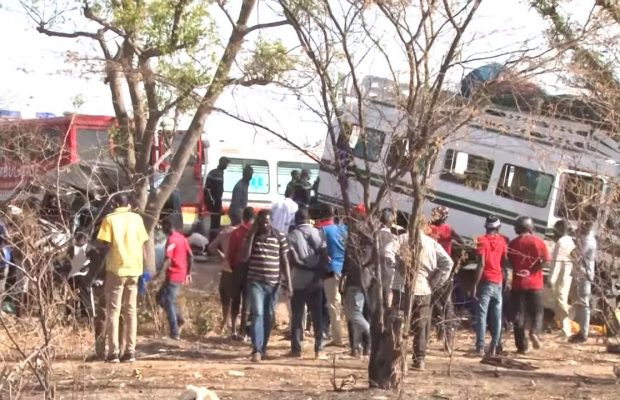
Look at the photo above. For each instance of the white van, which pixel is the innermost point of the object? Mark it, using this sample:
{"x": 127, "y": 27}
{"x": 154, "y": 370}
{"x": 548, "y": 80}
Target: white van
{"x": 272, "y": 169}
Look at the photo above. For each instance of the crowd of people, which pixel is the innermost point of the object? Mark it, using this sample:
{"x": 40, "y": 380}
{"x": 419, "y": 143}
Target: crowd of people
{"x": 333, "y": 271}
{"x": 324, "y": 269}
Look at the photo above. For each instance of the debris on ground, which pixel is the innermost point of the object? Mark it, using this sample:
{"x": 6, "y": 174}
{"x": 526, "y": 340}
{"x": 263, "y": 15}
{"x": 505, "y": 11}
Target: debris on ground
{"x": 198, "y": 393}
{"x": 509, "y": 363}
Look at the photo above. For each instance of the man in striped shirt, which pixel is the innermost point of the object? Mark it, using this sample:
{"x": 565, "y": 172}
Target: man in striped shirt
{"x": 266, "y": 251}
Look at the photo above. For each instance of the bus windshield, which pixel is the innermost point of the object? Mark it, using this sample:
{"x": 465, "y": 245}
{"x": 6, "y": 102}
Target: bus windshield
{"x": 579, "y": 196}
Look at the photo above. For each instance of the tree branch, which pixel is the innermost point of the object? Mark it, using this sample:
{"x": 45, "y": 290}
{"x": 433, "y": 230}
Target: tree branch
{"x": 71, "y": 35}
{"x": 266, "y": 25}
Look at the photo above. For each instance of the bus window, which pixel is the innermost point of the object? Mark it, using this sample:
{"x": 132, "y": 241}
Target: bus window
{"x": 524, "y": 185}
{"x": 93, "y": 144}
{"x": 579, "y": 197}
{"x": 467, "y": 169}
{"x": 398, "y": 155}
{"x": 368, "y": 145}
{"x": 285, "y": 168}
{"x": 260, "y": 179}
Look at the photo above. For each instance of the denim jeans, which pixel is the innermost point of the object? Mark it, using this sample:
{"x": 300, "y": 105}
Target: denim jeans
{"x": 262, "y": 298}
{"x": 313, "y": 298}
{"x": 354, "y": 300}
{"x": 489, "y": 302}
{"x": 582, "y": 305}
{"x": 167, "y": 298}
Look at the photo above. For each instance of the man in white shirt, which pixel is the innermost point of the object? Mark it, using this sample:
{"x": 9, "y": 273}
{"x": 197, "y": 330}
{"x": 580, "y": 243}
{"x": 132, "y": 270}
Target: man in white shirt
{"x": 584, "y": 276}
{"x": 283, "y": 212}
{"x": 561, "y": 273}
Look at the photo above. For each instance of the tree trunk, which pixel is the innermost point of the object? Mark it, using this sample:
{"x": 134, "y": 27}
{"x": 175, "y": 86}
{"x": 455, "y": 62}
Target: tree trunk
{"x": 114, "y": 76}
{"x": 390, "y": 327}
{"x": 156, "y": 201}
{"x": 387, "y": 361}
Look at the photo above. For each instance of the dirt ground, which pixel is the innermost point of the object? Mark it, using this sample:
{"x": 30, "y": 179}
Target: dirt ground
{"x": 165, "y": 367}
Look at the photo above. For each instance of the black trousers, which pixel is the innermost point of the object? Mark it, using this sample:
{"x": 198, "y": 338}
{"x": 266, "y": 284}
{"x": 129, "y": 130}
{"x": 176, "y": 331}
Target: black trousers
{"x": 420, "y": 325}
{"x": 216, "y": 219}
{"x": 443, "y": 316}
{"x": 238, "y": 295}
{"x": 529, "y": 311}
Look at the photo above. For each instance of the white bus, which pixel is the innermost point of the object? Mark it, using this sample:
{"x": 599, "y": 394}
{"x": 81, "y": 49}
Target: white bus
{"x": 503, "y": 162}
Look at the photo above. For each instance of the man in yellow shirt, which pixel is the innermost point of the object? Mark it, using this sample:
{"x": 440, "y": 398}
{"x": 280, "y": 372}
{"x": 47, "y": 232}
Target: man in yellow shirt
{"x": 124, "y": 233}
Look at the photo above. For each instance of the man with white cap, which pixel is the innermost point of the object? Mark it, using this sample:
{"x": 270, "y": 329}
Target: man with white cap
{"x": 492, "y": 251}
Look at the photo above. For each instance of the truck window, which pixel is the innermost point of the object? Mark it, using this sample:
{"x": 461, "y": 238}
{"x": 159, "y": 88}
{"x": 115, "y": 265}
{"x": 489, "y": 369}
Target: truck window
{"x": 93, "y": 144}
{"x": 366, "y": 145}
{"x": 524, "y": 185}
{"x": 578, "y": 197}
{"x": 284, "y": 169}
{"x": 467, "y": 169}
{"x": 260, "y": 180}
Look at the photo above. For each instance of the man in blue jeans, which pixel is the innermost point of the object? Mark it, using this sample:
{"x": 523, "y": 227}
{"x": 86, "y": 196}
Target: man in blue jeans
{"x": 308, "y": 259}
{"x": 492, "y": 251}
{"x": 266, "y": 251}
{"x": 177, "y": 266}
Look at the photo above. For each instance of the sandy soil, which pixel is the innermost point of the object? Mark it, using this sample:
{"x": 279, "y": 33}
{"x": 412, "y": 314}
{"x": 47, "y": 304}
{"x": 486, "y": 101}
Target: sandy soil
{"x": 165, "y": 367}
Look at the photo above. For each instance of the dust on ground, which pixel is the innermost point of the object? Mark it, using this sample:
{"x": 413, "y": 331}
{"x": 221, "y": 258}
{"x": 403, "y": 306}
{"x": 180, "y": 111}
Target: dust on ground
{"x": 165, "y": 367}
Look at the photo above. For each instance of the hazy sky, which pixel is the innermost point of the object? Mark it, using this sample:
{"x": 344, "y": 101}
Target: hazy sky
{"x": 36, "y": 78}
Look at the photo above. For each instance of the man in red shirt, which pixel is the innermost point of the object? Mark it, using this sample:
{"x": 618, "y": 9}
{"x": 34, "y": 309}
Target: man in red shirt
{"x": 239, "y": 272}
{"x": 177, "y": 267}
{"x": 492, "y": 251}
{"x": 443, "y": 309}
{"x": 528, "y": 255}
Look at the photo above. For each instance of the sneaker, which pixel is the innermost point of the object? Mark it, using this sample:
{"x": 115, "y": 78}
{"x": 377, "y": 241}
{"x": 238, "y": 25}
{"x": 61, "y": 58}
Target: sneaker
{"x": 577, "y": 338}
{"x": 175, "y": 337}
{"x": 293, "y": 354}
{"x": 522, "y": 351}
{"x": 256, "y": 357}
{"x": 95, "y": 357}
{"x": 112, "y": 359}
{"x": 128, "y": 357}
{"x": 419, "y": 365}
{"x": 319, "y": 355}
{"x": 475, "y": 353}
{"x": 355, "y": 353}
{"x": 536, "y": 343}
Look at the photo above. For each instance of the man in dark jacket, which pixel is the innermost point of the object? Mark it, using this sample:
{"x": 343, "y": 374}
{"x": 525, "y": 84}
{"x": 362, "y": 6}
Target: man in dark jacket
{"x": 214, "y": 190}
{"x": 308, "y": 256}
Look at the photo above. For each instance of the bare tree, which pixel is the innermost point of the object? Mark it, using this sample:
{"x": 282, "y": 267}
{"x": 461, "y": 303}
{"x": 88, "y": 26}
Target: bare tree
{"x": 156, "y": 57}
{"x": 412, "y": 112}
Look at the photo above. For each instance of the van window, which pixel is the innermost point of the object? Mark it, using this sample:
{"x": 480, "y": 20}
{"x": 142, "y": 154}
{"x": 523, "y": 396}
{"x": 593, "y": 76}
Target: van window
{"x": 579, "y": 197}
{"x": 367, "y": 145}
{"x": 467, "y": 169}
{"x": 286, "y": 167}
{"x": 260, "y": 179}
{"x": 524, "y": 185}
